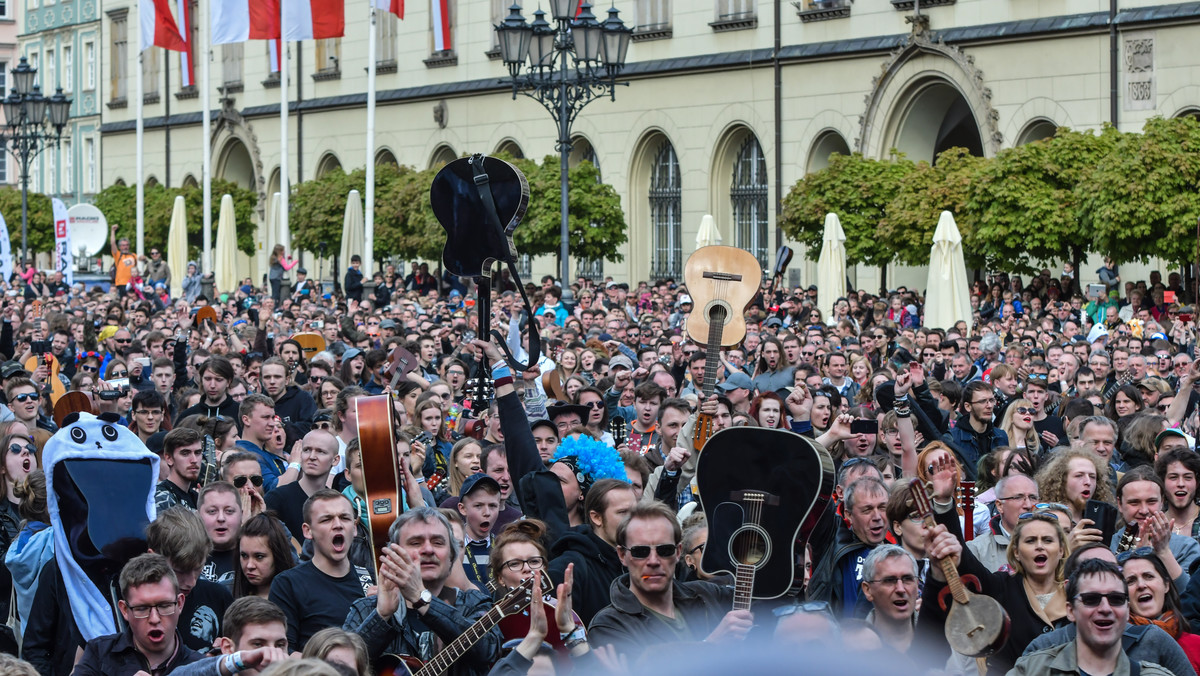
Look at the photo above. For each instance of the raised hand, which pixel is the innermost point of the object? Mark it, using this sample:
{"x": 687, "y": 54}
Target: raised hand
{"x": 563, "y": 616}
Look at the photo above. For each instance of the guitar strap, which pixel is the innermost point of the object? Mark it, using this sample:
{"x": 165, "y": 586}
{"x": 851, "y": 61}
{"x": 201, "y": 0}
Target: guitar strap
{"x": 484, "y": 282}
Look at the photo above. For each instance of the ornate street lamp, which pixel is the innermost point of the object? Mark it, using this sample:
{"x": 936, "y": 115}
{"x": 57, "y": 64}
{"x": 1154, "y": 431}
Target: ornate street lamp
{"x": 564, "y": 67}
{"x": 33, "y": 124}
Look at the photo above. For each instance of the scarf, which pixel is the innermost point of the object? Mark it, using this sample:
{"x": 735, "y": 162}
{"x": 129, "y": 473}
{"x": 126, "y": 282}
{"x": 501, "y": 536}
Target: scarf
{"x": 1168, "y": 622}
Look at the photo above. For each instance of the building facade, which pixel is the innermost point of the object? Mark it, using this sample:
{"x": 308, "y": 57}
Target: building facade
{"x": 9, "y": 54}
{"x": 61, "y": 39}
{"x": 714, "y": 120}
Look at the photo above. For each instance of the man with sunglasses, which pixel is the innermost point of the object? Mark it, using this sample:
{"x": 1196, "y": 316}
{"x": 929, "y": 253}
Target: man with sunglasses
{"x": 25, "y": 402}
{"x": 649, "y": 606}
{"x": 1098, "y": 605}
{"x": 241, "y": 469}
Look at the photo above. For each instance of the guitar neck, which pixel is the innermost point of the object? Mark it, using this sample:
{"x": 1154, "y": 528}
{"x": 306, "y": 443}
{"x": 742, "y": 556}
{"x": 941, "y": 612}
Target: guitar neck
{"x": 743, "y": 587}
{"x": 951, "y": 572}
{"x": 442, "y": 662}
{"x": 712, "y": 353}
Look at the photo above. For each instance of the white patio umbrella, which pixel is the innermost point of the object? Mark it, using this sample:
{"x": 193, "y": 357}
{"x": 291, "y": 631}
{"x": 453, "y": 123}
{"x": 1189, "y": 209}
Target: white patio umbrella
{"x": 225, "y": 257}
{"x": 177, "y": 247}
{"x": 353, "y": 232}
{"x": 831, "y": 266}
{"x": 947, "y": 294}
{"x": 708, "y": 234}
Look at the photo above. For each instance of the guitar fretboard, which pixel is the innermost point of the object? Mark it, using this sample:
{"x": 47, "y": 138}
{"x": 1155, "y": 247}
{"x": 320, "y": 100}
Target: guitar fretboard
{"x": 442, "y": 662}
{"x": 712, "y": 350}
{"x": 743, "y": 589}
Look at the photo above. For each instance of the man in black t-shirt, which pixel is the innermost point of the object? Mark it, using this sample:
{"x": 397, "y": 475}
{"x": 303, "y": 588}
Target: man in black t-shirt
{"x": 318, "y": 454}
{"x": 220, "y": 509}
{"x": 1049, "y": 427}
{"x": 318, "y": 593}
{"x": 182, "y": 449}
{"x": 179, "y": 535}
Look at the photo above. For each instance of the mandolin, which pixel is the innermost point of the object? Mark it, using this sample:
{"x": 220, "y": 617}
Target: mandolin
{"x": 1129, "y": 539}
{"x": 516, "y": 600}
{"x": 722, "y": 281}
{"x": 401, "y": 362}
{"x": 57, "y": 389}
{"x": 762, "y": 491}
{"x": 976, "y": 625}
{"x": 381, "y": 471}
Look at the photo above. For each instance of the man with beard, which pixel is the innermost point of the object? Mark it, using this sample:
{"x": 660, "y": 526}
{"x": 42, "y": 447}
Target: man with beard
{"x": 415, "y": 609}
{"x": 890, "y": 577}
{"x": 1178, "y": 469}
{"x": 1098, "y": 605}
{"x": 650, "y": 608}
{"x": 318, "y": 593}
{"x": 974, "y": 436}
{"x": 837, "y": 577}
{"x": 1140, "y": 497}
{"x": 182, "y": 454}
{"x": 773, "y": 373}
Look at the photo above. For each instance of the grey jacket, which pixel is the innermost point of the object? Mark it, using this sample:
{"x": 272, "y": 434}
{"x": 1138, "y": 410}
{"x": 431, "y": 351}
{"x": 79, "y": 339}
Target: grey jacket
{"x": 991, "y": 549}
{"x": 1061, "y": 661}
{"x": 1146, "y": 643}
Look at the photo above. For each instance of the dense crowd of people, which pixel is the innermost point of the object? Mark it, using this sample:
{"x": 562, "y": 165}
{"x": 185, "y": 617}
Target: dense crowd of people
{"x": 1055, "y": 429}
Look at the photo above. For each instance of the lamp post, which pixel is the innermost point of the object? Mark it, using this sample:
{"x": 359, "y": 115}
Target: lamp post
{"x": 34, "y": 123}
{"x": 564, "y": 67}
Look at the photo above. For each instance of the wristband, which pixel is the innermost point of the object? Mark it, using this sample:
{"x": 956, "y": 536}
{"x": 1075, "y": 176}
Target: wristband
{"x": 903, "y": 397}
{"x": 294, "y": 465}
{"x": 501, "y": 371}
{"x": 502, "y": 381}
{"x": 576, "y": 634}
{"x": 238, "y": 662}
{"x": 227, "y": 664}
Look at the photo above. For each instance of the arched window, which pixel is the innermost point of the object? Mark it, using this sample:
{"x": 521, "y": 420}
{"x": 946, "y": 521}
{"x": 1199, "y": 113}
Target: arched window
{"x": 666, "y": 217}
{"x": 748, "y": 195}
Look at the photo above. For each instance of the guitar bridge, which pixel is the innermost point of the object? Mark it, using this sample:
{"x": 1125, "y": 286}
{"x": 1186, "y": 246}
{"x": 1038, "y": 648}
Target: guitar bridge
{"x": 723, "y": 276}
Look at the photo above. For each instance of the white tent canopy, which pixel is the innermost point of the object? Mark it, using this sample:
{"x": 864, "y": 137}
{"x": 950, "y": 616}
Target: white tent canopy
{"x": 947, "y": 293}
{"x": 831, "y": 266}
{"x": 353, "y": 232}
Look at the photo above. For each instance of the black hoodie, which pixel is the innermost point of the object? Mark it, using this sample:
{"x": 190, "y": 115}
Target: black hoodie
{"x": 296, "y": 408}
{"x": 596, "y": 566}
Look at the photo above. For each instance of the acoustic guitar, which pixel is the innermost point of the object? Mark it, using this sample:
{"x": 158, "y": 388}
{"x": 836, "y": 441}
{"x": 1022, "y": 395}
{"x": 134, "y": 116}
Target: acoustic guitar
{"x": 72, "y": 402}
{"x": 722, "y": 281}
{"x": 310, "y": 344}
{"x": 515, "y": 600}
{"x": 976, "y": 625}
{"x": 401, "y": 362}
{"x": 381, "y": 470}
{"x": 762, "y": 491}
{"x": 57, "y": 389}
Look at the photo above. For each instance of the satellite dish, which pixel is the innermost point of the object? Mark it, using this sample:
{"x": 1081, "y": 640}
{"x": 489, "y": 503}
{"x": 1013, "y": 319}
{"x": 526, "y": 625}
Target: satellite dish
{"x": 88, "y": 228}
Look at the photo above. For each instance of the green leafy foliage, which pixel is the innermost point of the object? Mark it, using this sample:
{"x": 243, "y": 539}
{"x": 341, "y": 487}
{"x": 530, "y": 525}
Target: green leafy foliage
{"x": 858, "y": 190}
{"x": 119, "y": 204}
{"x": 41, "y": 220}
{"x": 595, "y": 221}
{"x": 927, "y": 191}
{"x": 1143, "y": 198}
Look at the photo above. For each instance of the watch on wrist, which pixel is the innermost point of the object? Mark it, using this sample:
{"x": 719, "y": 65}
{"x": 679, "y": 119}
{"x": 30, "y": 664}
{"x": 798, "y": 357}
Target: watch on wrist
{"x": 425, "y": 599}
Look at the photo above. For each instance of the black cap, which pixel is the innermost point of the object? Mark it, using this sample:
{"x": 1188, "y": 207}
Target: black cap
{"x": 562, "y": 408}
{"x": 543, "y": 422}
{"x": 475, "y": 480}
{"x": 301, "y": 271}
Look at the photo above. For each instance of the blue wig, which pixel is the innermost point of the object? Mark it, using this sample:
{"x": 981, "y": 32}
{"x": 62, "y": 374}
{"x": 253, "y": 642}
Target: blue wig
{"x": 591, "y": 460}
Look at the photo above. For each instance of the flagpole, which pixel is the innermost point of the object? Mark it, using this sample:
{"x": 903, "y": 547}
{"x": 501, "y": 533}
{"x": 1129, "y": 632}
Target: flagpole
{"x": 138, "y": 100}
{"x": 369, "y": 236}
{"x": 284, "y": 188}
{"x": 206, "y": 152}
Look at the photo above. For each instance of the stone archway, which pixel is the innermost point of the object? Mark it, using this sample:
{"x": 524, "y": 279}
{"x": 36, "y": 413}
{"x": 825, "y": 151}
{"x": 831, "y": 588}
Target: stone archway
{"x": 235, "y": 164}
{"x": 329, "y": 162}
{"x": 929, "y": 97}
{"x": 829, "y": 142}
{"x": 1037, "y": 130}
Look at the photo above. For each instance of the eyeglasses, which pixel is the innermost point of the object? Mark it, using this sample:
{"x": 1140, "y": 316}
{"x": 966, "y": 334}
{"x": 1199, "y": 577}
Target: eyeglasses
{"x": 893, "y": 580}
{"x": 17, "y": 449}
{"x": 1052, "y": 507}
{"x": 316, "y": 380}
{"x": 240, "y": 481}
{"x": 117, "y": 374}
{"x": 90, "y": 369}
{"x": 324, "y": 425}
{"x": 1038, "y": 376}
{"x": 1163, "y": 407}
{"x": 857, "y": 461}
{"x": 1140, "y": 552}
{"x": 456, "y": 372}
{"x": 164, "y": 609}
{"x": 1039, "y": 516}
{"x": 1020, "y": 497}
{"x": 1026, "y": 410}
{"x": 22, "y": 398}
{"x": 1163, "y": 357}
{"x": 1092, "y": 599}
{"x": 697, "y": 548}
{"x": 984, "y": 402}
{"x": 122, "y": 341}
{"x": 534, "y": 563}
{"x": 643, "y": 551}
{"x": 594, "y": 404}
{"x": 806, "y": 607}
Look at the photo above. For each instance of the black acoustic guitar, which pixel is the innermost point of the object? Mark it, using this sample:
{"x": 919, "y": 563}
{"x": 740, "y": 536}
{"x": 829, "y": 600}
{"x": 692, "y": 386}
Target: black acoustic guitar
{"x": 479, "y": 201}
{"x": 762, "y": 491}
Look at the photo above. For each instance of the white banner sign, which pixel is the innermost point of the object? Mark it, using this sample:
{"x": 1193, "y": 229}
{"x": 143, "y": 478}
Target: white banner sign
{"x": 6, "y": 260}
{"x": 63, "y": 258}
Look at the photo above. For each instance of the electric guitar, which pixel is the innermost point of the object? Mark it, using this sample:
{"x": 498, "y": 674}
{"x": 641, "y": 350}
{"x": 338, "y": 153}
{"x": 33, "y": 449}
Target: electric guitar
{"x": 976, "y": 625}
{"x": 762, "y": 491}
{"x": 721, "y": 280}
{"x": 516, "y": 600}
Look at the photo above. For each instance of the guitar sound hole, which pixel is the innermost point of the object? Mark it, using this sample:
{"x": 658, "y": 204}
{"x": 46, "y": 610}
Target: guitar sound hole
{"x": 749, "y": 547}
{"x": 716, "y": 315}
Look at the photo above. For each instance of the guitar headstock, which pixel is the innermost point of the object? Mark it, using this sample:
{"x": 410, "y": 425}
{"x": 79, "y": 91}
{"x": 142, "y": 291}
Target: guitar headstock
{"x": 922, "y": 498}
{"x": 35, "y": 308}
{"x": 480, "y": 391}
{"x": 518, "y": 598}
{"x": 402, "y": 361}
{"x": 617, "y": 428}
{"x": 434, "y": 480}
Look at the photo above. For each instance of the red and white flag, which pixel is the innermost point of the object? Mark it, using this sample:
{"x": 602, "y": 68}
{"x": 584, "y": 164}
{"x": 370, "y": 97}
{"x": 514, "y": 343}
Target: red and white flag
{"x": 158, "y": 26}
{"x": 442, "y": 39}
{"x": 394, "y": 6}
{"x": 275, "y": 48}
{"x": 314, "y": 19}
{"x": 186, "y": 69}
{"x": 242, "y": 20}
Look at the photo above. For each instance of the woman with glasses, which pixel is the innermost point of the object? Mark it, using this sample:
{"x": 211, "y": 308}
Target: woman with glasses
{"x": 1018, "y": 424}
{"x": 20, "y": 460}
{"x": 454, "y": 373}
{"x": 1033, "y": 593}
{"x": 262, "y": 552}
{"x": 116, "y": 369}
{"x": 518, "y": 554}
{"x": 597, "y": 420}
{"x": 327, "y": 394}
{"x": 1154, "y": 599}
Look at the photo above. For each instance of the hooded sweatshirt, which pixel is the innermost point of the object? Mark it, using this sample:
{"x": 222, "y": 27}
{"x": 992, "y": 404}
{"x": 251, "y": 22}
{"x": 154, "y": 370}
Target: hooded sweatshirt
{"x": 33, "y": 547}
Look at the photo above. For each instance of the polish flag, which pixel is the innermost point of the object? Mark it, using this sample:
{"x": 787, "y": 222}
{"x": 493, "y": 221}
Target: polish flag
{"x": 394, "y": 6}
{"x": 275, "y": 48}
{"x": 242, "y": 20}
{"x": 158, "y": 26}
{"x": 186, "y": 69}
{"x": 442, "y": 41}
{"x": 314, "y": 19}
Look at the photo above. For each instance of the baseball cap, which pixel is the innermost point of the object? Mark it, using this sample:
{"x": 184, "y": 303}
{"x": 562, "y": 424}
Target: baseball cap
{"x": 543, "y": 422}
{"x": 684, "y": 299}
{"x": 475, "y": 481}
{"x": 773, "y": 321}
{"x": 351, "y": 353}
{"x": 736, "y": 381}
{"x": 12, "y": 369}
{"x": 301, "y": 271}
{"x": 1154, "y": 383}
{"x": 387, "y": 324}
{"x": 1191, "y": 442}
{"x": 620, "y": 361}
